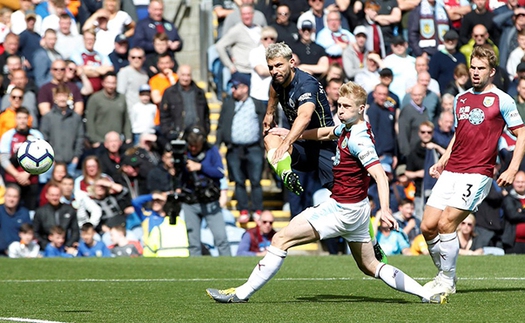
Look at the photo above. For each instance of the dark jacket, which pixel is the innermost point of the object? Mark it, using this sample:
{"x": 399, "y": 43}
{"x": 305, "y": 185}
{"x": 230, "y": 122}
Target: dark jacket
{"x": 488, "y": 214}
{"x": 46, "y": 217}
{"x": 159, "y": 179}
{"x": 145, "y": 31}
{"x": 172, "y": 109}
{"x": 224, "y": 127}
{"x": 513, "y": 213}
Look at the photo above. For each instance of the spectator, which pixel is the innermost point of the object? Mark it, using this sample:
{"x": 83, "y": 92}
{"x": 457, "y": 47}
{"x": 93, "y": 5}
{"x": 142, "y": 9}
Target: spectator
{"x": 29, "y": 38}
{"x": 111, "y": 154}
{"x": 375, "y": 41}
{"x": 514, "y": 233}
{"x": 396, "y": 191}
{"x": 45, "y": 94}
{"x": 94, "y": 64}
{"x": 88, "y": 246}
{"x": 388, "y": 18}
{"x": 122, "y": 246}
{"x": 489, "y": 216}
{"x": 142, "y": 114}
{"x": 133, "y": 174}
{"x": 393, "y": 242}
{"x": 333, "y": 38}
{"x": 354, "y": 55}
{"x": 255, "y": 241}
{"x": 50, "y": 19}
{"x": 422, "y": 67}
{"x": 18, "y": 79}
{"x": 410, "y": 118}
{"x": 239, "y": 128}
{"x": 480, "y": 15}
{"x": 509, "y": 36}
{"x": 119, "y": 55}
{"x": 8, "y": 117}
{"x": 76, "y": 75}
{"x": 447, "y": 102}
{"x": 442, "y": 63}
{"x": 424, "y": 38}
{"x": 147, "y": 28}
{"x": 160, "y": 45}
{"x": 332, "y": 94}
{"x": 402, "y": 66}
{"x": 107, "y": 111}
{"x": 132, "y": 77}
{"x": 59, "y": 171}
{"x": 11, "y": 47}
{"x": 13, "y": 63}
{"x": 12, "y": 217}
{"x": 19, "y": 18}
{"x": 369, "y": 77}
{"x": 55, "y": 213}
{"x": 516, "y": 55}
{"x": 260, "y": 75}
{"x": 168, "y": 240}
{"x": 382, "y": 116}
{"x": 286, "y": 31}
{"x": 164, "y": 79}
{"x": 64, "y": 130}
{"x": 43, "y": 58}
{"x": 155, "y": 213}
{"x": 408, "y": 185}
{"x": 480, "y": 36}
{"x": 114, "y": 202}
{"x": 9, "y": 144}
{"x": 467, "y": 238}
{"x": 317, "y": 14}
{"x": 222, "y": 9}
{"x": 56, "y": 247}
{"x": 67, "y": 42}
{"x": 310, "y": 57}
{"x": 236, "y": 16}
{"x": 91, "y": 172}
{"x": 26, "y": 247}
{"x": 183, "y": 106}
{"x": 87, "y": 209}
{"x": 430, "y": 99}
{"x": 235, "y": 46}
{"x": 408, "y": 223}
{"x": 203, "y": 188}
{"x": 444, "y": 132}
{"x": 161, "y": 178}
{"x": 459, "y": 84}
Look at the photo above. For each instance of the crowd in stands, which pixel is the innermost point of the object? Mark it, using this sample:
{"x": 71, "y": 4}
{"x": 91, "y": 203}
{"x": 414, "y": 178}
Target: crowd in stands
{"x": 102, "y": 84}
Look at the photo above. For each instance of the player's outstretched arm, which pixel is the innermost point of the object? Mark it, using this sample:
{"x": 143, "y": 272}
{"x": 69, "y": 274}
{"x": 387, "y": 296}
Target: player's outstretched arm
{"x": 377, "y": 172}
{"x": 268, "y": 121}
{"x": 325, "y": 133}
{"x": 507, "y": 177}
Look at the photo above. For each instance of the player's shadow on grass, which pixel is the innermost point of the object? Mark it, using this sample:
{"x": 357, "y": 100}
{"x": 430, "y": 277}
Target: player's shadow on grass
{"x": 77, "y": 311}
{"x": 484, "y": 290}
{"x": 349, "y": 298}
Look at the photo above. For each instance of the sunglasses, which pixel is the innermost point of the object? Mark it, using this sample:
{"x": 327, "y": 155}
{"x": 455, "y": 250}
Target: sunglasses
{"x": 426, "y": 132}
{"x": 467, "y": 223}
{"x": 16, "y": 97}
{"x": 137, "y": 57}
{"x": 269, "y": 38}
{"x": 59, "y": 69}
{"x": 267, "y": 222}
{"x": 519, "y": 15}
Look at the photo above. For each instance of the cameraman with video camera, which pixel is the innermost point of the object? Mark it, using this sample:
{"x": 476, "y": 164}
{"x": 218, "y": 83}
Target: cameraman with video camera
{"x": 200, "y": 189}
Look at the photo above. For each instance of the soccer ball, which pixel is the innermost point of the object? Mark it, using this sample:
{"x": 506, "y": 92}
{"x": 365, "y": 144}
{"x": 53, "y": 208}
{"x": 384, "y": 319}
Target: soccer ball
{"x": 35, "y": 156}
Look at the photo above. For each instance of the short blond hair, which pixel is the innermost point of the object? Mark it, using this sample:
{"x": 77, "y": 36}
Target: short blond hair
{"x": 354, "y": 91}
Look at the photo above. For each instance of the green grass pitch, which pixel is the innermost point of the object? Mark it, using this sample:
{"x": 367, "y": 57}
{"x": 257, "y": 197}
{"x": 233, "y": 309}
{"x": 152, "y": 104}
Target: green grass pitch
{"x": 307, "y": 289}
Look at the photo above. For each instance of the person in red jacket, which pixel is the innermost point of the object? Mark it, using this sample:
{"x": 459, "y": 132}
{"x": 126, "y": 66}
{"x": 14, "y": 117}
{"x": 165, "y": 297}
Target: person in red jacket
{"x": 255, "y": 241}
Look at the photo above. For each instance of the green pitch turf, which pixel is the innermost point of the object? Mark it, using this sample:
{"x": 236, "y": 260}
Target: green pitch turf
{"x": 307, "y": 289}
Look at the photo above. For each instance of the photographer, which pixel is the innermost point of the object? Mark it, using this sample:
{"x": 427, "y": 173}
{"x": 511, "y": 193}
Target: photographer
{"x": 201, "y": 192}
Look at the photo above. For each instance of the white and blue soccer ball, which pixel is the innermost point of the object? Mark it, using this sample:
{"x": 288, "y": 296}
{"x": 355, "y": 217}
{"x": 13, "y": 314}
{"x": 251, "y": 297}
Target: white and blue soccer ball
{"x": 35, "y": 156}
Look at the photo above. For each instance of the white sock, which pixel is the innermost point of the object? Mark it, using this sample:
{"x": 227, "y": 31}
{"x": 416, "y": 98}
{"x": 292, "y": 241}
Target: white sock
{"x": 449, "y": 249}
{"x": 433, "y": 249}
{"x": 262, "y": 273}
{"x": 397, "y": 279}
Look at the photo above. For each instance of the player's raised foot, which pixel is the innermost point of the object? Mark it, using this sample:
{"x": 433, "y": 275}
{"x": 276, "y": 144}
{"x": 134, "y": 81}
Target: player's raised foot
{"x": 292, "y": 183}
{"x": 440, "y": 298}
{"x": 379, "y": 253}
{"x": 224, "y": 296}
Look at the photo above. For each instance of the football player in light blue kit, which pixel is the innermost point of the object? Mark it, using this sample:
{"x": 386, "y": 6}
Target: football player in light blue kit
{"x": 465, "y": 170}
{"x": 346, "y": 214}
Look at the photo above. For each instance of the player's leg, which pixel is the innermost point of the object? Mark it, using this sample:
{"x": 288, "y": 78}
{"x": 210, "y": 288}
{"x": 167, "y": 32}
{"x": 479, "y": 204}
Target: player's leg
{"x": 363, "y": 254}
{"x": 429, "y": 228}
{"x": 283, "y": 167}
{"x": 378, "y": 251}
{"x": 299, "y": 231}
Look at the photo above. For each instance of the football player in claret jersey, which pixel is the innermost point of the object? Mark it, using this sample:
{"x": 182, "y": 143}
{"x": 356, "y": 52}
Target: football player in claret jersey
{"x": 346, "y": 214}
{"x": 465, "y": 170}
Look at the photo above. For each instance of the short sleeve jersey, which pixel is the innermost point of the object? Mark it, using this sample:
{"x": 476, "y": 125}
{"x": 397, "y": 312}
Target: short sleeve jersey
{"x": 480, "y": 120}
{"x": 305, "y": 88}
{"x": 354, "y": 155}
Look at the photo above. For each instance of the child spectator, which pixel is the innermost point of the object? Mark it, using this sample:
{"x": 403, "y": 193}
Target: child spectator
{"x": 88, "y": 246}
{"x": 122, "y": 247}
{"x": 5, "y": 23}
{"x": 56, "y": 247}
{"x": 160, "y": 45}
{"x": 142, "y": 114}
{"x": 27, "y": 247}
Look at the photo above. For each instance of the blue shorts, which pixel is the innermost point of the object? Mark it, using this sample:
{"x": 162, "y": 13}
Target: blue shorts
{"x": 315, "y": 156}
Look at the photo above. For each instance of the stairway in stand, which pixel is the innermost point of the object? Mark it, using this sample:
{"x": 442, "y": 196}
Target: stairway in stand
{"x": 272, "y": 196}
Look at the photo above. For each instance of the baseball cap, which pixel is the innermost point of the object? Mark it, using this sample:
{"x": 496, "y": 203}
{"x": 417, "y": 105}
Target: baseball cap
{"x": 401, "y": 169}
{"x": 307, "y": 24}
{"x": 451, "y": 35}
{"x": 398, "y": 40}
{"x": 144, "y": 88}
{"x": 131, "y": 160}
{"x": 239, "y": 78}
{"x": 386, "y": 72}
{"x": 360, "y": 30}
{"x": 121, "y": 38}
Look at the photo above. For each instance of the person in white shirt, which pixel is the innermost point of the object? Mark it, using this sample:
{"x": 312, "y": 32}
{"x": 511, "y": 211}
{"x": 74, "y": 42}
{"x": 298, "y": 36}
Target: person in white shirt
{"x": 260, "y": 78}
{"x": 26, "y": 247}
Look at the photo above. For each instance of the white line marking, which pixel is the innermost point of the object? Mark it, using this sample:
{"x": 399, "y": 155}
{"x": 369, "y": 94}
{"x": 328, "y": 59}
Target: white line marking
{"x": 20, "y": 319}
{"x": 174, "y": 280}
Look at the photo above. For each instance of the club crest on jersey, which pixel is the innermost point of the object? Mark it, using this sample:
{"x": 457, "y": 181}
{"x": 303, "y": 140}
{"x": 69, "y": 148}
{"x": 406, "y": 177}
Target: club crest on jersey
{"x": 476, "y": 116}
{"x": 488, "y": 101}
{"x": 344, "y": 143}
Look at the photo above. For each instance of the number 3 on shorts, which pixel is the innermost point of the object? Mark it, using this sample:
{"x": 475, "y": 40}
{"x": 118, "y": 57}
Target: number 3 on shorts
{"x": 467, "y": 193}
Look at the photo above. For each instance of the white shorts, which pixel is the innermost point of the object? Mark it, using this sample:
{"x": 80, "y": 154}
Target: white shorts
{"x": 462, "y": 191}
{"x": 331, "y": 219}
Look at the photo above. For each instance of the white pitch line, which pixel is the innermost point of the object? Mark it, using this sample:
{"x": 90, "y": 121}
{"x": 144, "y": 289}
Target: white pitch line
{"x": 162, "y": 280}
{"x": 20, "y": 319}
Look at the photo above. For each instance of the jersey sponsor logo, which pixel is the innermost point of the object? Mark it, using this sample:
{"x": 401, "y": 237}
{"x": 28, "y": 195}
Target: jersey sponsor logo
{"x": 463, "y": 112}
{"x": 476, "y": 116}
{"x": 367, "y": 155}
{"x": 304, "y": 97}
{"x": 514, "y": 115}
{"x": 488, "y": 101}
